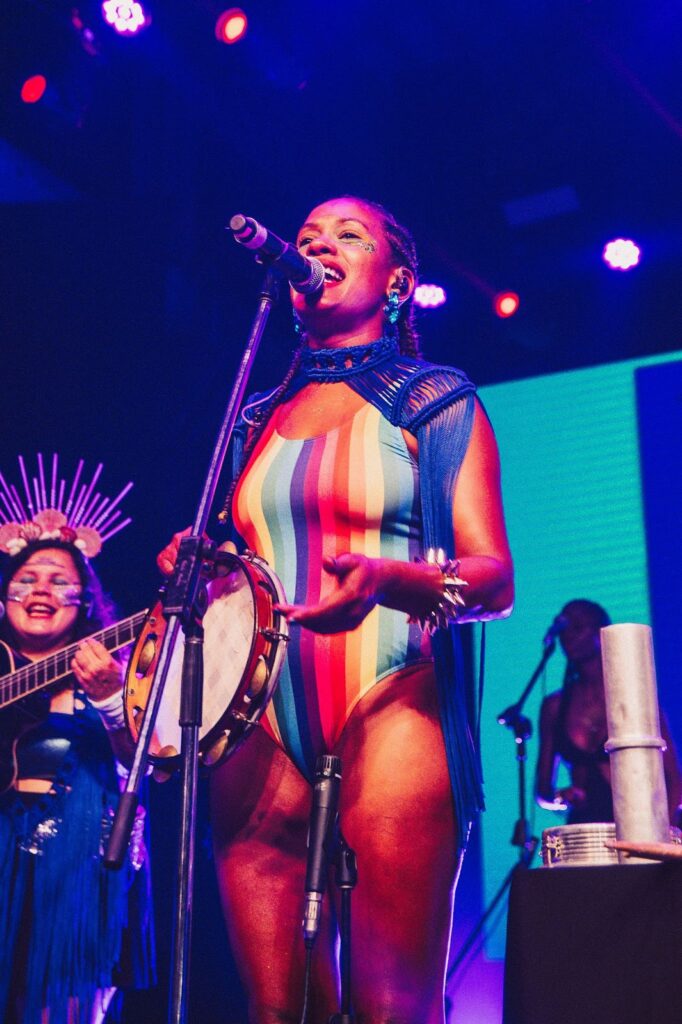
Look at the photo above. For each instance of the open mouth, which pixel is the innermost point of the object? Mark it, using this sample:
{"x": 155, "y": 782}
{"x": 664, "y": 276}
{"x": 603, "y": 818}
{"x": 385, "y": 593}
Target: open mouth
{"x": 332, "y": 275}
{"x": 40, "y": 611}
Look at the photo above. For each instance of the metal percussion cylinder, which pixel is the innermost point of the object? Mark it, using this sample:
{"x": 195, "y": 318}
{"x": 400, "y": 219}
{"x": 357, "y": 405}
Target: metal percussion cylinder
{"x": 635, "y": 745}
{"x": 578, "y": 845}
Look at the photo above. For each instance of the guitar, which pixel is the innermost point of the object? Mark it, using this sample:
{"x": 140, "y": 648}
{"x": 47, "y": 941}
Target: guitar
{"x": 24, "y": 700}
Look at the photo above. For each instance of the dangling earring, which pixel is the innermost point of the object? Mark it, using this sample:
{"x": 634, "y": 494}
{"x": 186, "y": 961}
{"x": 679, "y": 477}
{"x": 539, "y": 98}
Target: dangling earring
{"x": 299, "y": 330}
{"x": 392, "y": 307}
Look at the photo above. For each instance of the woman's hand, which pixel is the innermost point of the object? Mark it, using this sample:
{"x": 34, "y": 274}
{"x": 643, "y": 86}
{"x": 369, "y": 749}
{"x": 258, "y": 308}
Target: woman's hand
{"x": 96, "y": 671}
{"x": 356, "y": 593}
{"x": 168, "y": 556}
{"x": 569, "y": 796}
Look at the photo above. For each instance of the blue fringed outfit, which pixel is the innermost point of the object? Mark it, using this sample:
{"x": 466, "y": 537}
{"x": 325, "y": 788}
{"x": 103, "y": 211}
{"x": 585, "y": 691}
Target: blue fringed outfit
{"x": 68, "y": 926}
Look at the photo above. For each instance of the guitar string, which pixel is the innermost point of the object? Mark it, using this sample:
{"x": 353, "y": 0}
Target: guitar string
{"x": 27, "y": 673}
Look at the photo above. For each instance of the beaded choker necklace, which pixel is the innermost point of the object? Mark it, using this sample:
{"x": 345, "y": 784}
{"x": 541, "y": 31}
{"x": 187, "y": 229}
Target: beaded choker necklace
{"x": 332, "y": 364}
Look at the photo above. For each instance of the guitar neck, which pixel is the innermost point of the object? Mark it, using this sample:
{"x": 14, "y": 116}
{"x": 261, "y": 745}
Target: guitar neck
{"x": 39, "y": 674}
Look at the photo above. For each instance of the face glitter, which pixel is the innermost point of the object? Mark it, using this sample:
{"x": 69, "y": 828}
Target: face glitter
{"x": 66, "y": 595}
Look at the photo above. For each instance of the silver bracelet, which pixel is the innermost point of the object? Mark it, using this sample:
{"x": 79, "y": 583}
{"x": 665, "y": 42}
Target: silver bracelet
{"x": 111, "y": 711}
{"x": 451, "y": 600}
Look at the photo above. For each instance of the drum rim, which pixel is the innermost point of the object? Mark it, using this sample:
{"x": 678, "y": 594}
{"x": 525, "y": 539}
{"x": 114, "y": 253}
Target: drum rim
{"x": 264, "y": 574}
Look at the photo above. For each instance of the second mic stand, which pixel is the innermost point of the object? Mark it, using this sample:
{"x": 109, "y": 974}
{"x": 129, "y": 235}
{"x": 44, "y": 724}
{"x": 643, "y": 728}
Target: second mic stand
{"x": 526, "y": 844}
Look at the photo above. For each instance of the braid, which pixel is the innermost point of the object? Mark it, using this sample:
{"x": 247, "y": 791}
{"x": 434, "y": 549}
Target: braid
{"x": 261, "y": 419}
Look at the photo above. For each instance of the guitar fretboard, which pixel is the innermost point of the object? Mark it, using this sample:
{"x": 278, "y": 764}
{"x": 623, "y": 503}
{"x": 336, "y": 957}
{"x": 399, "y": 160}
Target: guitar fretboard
{"x": 38, "y": 674}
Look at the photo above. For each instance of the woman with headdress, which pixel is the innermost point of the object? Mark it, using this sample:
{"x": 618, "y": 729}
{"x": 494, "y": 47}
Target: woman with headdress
{"x": 370, "y": 482}
{"x": 63, "y": 917}
{"x": 573, "y": 727}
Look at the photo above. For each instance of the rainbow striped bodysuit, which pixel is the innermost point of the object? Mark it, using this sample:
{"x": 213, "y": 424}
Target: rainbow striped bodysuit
{"x": 354, "y": 489}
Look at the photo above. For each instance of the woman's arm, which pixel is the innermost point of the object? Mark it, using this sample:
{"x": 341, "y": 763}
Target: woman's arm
{"x": 479, "y": 528}
{"x": 546, "y": 794}
{"x": 101, "y": 676}
{"x": 545, "y": 774}
{"x": 416, "y": 588}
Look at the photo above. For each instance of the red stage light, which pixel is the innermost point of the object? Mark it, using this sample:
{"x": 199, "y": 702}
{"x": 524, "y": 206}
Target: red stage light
{"x": 231, "y": 26}
{"x": 33, "y": 88}
{"x": 506, "y": 303}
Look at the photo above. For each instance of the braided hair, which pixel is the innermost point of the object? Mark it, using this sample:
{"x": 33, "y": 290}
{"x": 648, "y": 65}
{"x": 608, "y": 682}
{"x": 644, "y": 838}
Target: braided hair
{"x": 404, "y": 250}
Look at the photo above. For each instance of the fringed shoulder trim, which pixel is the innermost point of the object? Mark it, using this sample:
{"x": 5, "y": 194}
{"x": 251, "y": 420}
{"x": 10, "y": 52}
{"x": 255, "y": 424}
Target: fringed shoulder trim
{"x": 426, "y": 391}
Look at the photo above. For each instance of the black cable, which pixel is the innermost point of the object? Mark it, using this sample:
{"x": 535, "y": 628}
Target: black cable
{"x": 481, "y": 679}
{"x": 306, "y": 983}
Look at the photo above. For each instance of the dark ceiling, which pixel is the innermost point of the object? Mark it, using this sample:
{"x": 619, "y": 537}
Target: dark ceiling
{"x": 124, "y": 302}
{"x": 445, "y": 112}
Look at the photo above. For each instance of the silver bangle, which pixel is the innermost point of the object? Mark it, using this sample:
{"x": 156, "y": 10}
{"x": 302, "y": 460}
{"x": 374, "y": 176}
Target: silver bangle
{"x": 451, "y": 600}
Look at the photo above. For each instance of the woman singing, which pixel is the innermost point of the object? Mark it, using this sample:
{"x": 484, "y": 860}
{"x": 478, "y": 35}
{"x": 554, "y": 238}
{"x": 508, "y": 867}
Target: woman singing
{"x": 370, "y": 482}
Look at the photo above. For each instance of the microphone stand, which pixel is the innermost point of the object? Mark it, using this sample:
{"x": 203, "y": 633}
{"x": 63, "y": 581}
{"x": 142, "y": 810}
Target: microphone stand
{"x": 184, "y": 604}
{"x": 346, "y": 877}
{"x": 526, "y": 844}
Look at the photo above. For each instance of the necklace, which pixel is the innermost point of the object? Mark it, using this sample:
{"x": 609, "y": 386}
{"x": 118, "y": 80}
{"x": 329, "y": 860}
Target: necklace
{"x": 331, "y": 364}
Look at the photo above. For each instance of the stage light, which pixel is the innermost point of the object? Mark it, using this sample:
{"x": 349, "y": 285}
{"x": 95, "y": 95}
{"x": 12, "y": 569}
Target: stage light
{"x": 126, "y": 16}
{"x": 33, "y": 88}
{"x": 621, "y": 254}
{"x": 506, "y": 304}
{"x": 231, "y": 26}
{"x": 428, "y": 296}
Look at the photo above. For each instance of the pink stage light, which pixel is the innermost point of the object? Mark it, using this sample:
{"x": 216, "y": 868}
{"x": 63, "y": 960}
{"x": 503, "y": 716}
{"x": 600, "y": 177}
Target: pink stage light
{"x": 126, "y": 16}
{"x": 506, "y": 304}
{"x": 231, "y": 26}
{"x": 33, "y": 88}
{"x": 621, "y": 254}
{"x": 428, "y": 296}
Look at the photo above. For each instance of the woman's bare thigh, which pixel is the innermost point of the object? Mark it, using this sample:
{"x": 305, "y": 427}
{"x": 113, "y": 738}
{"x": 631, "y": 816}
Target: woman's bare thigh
{"x": 397, "y": 814}
{"x": 260, "y": 806}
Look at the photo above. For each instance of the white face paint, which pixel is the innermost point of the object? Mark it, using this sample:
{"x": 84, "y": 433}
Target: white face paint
{"x": 43, "y": 598}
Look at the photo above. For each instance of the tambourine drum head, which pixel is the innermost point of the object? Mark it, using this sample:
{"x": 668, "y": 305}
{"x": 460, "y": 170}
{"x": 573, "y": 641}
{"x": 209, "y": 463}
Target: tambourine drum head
{"x": 229, "y": 628}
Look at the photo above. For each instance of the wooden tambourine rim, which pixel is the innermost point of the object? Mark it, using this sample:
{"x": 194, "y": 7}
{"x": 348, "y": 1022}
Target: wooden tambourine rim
{"x": 273, "y": 620}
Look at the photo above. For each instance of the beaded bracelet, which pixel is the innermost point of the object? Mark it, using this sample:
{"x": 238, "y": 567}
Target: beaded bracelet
{"x": 451, "y": 600}
{"x": 111, "y": 711}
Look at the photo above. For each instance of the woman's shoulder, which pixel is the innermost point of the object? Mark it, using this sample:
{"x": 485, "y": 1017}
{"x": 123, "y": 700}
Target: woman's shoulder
{"x": 426, "y": 388}
{"x": 418, "y": 368}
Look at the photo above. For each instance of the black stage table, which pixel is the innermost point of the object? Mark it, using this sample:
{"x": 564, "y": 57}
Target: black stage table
{"x": 600, "y": 945}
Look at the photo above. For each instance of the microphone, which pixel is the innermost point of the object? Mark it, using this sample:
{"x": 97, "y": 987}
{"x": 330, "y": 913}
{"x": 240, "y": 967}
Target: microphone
{"x": 320, "y": 836}
{"x": 305, "y": 273}
{"x": 558, "y": 625}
